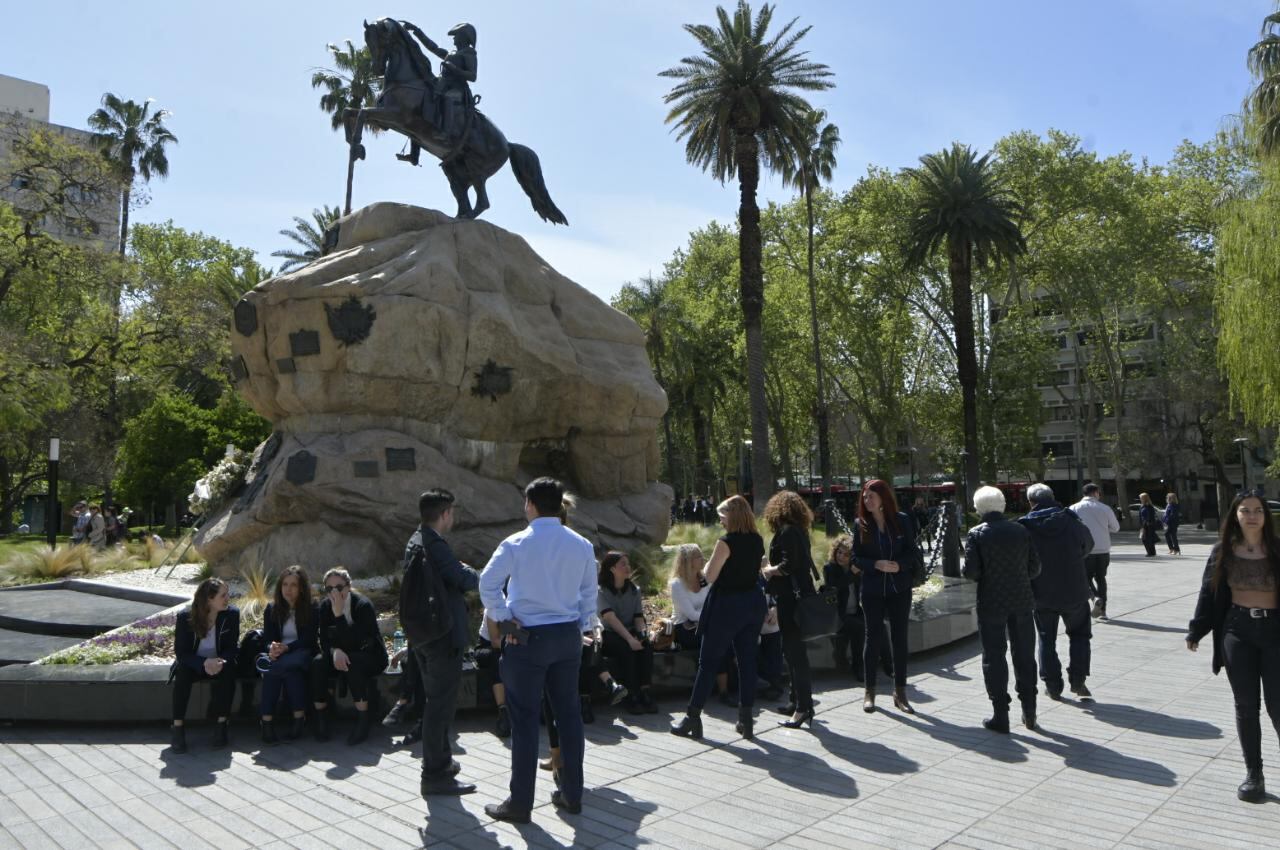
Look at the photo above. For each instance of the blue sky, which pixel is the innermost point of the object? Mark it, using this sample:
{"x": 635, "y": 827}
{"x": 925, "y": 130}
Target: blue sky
{"x": 576, "y": 80}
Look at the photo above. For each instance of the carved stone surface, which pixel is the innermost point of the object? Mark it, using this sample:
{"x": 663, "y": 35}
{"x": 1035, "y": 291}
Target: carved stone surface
{"x": 286, "y": 366}
{"x": 364, "y": 468}
{"x": 401, "y": 460}
{"x": 303, "y": 343}
{"x": 246, "y": 318}
{"x": 301, "y": 468}
{"x": 351, "y": 321}
{"x": 239, "y": 371}
{"x": 257, "y": 473}
{"x": 484, "y": 369}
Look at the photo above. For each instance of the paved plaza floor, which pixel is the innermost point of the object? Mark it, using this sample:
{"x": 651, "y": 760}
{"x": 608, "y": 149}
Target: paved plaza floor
{"x": 1153, "y": 762}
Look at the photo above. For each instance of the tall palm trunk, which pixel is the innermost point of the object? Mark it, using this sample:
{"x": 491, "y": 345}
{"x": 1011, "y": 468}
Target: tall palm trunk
{"x": 351, "y": 174}
{"x": 751, "y": 293}
{"x": 820, "y": 411}
{"x": 961, "y": 272}
{"x": 113, "y": 425}
{"x": 124, "y": 214}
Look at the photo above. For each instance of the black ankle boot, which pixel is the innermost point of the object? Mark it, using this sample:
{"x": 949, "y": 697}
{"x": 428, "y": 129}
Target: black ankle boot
{"x": 746, "y": 723}
{"x": 269, "y": 738}
{"x": 361, "y": 730}
{"x": 321, "y": 724}
{"x": 690, "y": 726}
{"x": 1253, "y": 789}
{"x": 178, "y": 739}
{"x": 998, "y": 722}
{"x": 219, "y": 734}
{"x": 296, "y": 728}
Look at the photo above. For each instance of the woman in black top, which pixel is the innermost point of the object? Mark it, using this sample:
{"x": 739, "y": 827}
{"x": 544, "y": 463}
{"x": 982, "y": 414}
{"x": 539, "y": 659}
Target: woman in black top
{"x": 205, "y": 638}
{"x": 885, "y": 550}
{"x": 350, "y": 646}
{"x": 1147, "y": 521}
{"x": 290, "y": 626}
{"x": 1240, "y": 605}
{"x": 790, "y": 577}
{"x": 731, "y": 616}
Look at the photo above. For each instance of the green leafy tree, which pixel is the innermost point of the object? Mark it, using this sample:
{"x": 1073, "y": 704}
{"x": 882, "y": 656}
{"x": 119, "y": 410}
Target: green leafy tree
{"x": 736, "y": 104}
{"x": 963, "y": 207}
{"x": 308, "y": 236}
{"x": 133, "y": 138}
{"x": 350, "y": 84}
{"x": 163, "y": 453}
{"x": 811, "y": 165}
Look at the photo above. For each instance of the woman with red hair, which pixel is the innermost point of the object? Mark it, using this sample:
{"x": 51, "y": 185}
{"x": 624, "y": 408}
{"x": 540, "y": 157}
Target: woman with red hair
{"x": 885, "y": 550}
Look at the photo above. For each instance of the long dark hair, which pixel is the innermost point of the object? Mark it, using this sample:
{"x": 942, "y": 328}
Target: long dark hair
{"x": 888, "y": 503}
{"x": 1232, "y": 534}
{"x": 281, "y": 609}
{"x": 605, "y": 577}
{"x": 208, "y": 589}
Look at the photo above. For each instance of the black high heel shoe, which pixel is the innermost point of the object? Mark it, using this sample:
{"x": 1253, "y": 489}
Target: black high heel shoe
{"x": 796, "y": 723}
{"x": 900, "y": 701}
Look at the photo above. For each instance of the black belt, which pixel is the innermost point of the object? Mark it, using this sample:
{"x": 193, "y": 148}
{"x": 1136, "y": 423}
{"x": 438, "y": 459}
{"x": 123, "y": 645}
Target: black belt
{"x": 1258, "y": 613}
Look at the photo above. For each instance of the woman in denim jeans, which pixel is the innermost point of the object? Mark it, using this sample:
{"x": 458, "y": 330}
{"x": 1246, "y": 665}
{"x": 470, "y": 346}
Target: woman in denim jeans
{"x": 1240, "y": 605}
{"x": 290, "y": 628}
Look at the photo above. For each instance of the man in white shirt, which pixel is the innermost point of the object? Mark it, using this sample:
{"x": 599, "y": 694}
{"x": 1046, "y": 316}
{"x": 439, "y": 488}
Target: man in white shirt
{"x": 1101, "y": 521}
{"x": 550, "y": 600}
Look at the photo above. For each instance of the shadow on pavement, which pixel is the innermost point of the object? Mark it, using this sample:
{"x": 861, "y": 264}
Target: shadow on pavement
{"x": 1095, "y": 758}
{"x": 1155, "y": 722}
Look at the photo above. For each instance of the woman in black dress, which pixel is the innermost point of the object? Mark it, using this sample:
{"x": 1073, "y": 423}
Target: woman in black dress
{"x": 731, "y": 616}
{"x": 790, "y": 577}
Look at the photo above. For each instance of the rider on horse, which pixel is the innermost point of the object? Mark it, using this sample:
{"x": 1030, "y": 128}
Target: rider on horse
{"x": 452, "y": 101}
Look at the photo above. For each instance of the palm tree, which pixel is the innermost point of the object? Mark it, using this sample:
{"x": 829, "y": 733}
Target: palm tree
{"x": 133, "y": 139}
{"x": 1264, "y": 101}
{"x": 811, "y": 164}
{"x": 309, "y": 235}
{"x": 350, "y": 84}
{"x": 963, "y": 204}
{"x": 736, "y": 104}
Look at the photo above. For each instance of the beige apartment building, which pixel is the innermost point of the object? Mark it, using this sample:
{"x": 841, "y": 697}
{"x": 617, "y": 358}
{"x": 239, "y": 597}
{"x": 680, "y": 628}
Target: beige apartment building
{"x": 24, "y": 104}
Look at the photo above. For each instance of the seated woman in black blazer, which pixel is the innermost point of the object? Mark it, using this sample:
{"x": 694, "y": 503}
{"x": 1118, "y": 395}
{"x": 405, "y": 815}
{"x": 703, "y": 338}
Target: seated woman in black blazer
{"x": 205, "y": 640}
{"x": 350, "y": 646}
{"x": 290, "y": 627}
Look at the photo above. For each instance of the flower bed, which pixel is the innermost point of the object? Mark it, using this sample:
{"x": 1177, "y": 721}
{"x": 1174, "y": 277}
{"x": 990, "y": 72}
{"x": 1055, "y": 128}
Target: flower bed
{"x": 147, "y": 639}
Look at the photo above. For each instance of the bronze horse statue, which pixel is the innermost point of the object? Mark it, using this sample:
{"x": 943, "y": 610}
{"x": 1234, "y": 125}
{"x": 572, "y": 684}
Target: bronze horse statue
{"x": 405, "y": 106}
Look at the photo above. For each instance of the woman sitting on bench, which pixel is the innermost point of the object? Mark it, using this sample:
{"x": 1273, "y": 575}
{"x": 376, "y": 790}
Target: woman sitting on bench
{"x": 204, "y": 640}
{"x": 289, "y": 624}
{"x": 351, "y": 648}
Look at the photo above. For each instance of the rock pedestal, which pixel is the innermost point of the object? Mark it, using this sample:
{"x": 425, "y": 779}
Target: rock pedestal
{"x": 425, "y": 351}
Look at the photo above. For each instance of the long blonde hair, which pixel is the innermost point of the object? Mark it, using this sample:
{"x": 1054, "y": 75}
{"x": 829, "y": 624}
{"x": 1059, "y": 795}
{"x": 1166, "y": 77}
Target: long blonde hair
{"x": 686, "y": 556}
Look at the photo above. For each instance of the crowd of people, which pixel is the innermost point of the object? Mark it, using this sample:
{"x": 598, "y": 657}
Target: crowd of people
{"x": 558, "y": 625}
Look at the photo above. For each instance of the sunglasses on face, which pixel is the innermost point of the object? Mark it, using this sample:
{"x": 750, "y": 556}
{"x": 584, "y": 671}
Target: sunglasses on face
{"x": 335, "y": 588}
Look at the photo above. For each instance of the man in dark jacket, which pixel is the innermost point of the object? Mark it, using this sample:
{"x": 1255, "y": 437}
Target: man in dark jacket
{"x": 1000, "y": 556}
{"x": 1062, "y": 590}
{"x": 440, "y": 660}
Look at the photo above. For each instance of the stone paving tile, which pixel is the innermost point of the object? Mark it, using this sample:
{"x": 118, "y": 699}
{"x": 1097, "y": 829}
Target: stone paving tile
{"x": 1153, "y": 762}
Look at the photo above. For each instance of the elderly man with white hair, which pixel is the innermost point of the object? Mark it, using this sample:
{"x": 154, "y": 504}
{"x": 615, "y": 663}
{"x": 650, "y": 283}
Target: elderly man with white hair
{"x": 1000, "y": 557}
{"x": 1062, "y": 590}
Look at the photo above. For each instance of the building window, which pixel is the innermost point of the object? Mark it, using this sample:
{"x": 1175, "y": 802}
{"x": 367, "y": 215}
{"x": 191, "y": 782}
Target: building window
{"x": 1058, "y": 450}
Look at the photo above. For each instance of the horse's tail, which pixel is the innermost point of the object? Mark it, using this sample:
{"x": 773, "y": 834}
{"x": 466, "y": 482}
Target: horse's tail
{"x": 524, "y": 162}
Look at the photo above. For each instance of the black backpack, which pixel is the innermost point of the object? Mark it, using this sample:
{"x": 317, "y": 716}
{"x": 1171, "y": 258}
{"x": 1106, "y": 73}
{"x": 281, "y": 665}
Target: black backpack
{"x": 424, "y": 609}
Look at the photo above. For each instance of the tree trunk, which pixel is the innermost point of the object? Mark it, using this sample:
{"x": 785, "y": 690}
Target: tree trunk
{"x": 6, "y": 510}
{"x": 751, "y": 294}
{"x": 701, "y": 453}
{"x": 124, "y": 217}
{"x": 351, "y": 176}
{"x": 961, "y": 272}
{"x": 820, "y": 408}
{"x": 668, "y": 444}
{"x": 113, "y": 393}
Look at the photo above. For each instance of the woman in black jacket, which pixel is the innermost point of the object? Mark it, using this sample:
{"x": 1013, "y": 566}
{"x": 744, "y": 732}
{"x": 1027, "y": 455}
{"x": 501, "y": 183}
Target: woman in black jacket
{"x": 884, "y": 548}
{"x": 1148, "y": 522}
{"x": 350, "y": 646}
{"x": 205, "y": 639}
{"x": 290, "y": 627}
{"x": 1172, "y": 519}
{"x": 790, "y": 577}
{"x": 1240, "y": 605}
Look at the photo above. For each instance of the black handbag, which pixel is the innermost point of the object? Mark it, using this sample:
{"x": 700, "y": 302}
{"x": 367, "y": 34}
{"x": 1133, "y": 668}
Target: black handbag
{"x": 817, "y": 614}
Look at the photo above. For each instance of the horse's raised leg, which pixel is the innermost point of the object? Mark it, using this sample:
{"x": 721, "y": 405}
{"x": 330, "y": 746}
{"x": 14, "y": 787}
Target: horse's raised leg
{"x": 482, "y": 198}
{"x": 458, "y": 185}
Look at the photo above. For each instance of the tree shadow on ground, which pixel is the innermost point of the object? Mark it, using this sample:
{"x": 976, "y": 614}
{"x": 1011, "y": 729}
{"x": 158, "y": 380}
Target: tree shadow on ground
{"x": 800, "y": 770}
{"x": 1096, "y": 758}
{"x": 1154, "y": 722}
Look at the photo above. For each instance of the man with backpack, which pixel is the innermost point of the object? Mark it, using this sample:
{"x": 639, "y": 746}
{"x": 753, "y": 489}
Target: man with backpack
{"x": 433, "y": 613}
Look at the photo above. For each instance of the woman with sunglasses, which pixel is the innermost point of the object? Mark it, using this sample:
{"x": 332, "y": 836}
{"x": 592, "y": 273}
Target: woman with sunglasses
{"x": 351, "y": 647}
{"x": 1240, "y": 605}
{"x": 885, "y": 550}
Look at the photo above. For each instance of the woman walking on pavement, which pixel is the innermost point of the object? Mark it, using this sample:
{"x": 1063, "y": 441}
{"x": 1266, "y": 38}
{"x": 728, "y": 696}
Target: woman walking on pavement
{"x": 1239, "y": 605}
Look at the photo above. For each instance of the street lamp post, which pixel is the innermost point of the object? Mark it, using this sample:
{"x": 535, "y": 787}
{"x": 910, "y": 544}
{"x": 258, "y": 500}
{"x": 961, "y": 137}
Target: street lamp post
{"x": 1243, "y": 444}
{"x": 51, "y": 510}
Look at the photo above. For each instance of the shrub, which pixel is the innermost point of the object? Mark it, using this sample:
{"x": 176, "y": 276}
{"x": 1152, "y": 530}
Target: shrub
{"x": 151, "y": 636}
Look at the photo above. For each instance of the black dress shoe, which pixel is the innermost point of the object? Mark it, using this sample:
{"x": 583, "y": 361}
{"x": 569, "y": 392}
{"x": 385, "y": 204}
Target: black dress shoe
{"x": 445, "y": 786}
{"x": 559, "y": 801}
{"x": 998, "y": 722}
{"x": 396, "y": 715}
{"x": 1029, "y": 719}
{"x": 507, "y": 812}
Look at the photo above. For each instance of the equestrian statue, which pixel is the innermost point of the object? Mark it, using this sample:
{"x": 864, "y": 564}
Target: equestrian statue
{"x": 438, "y": 114}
